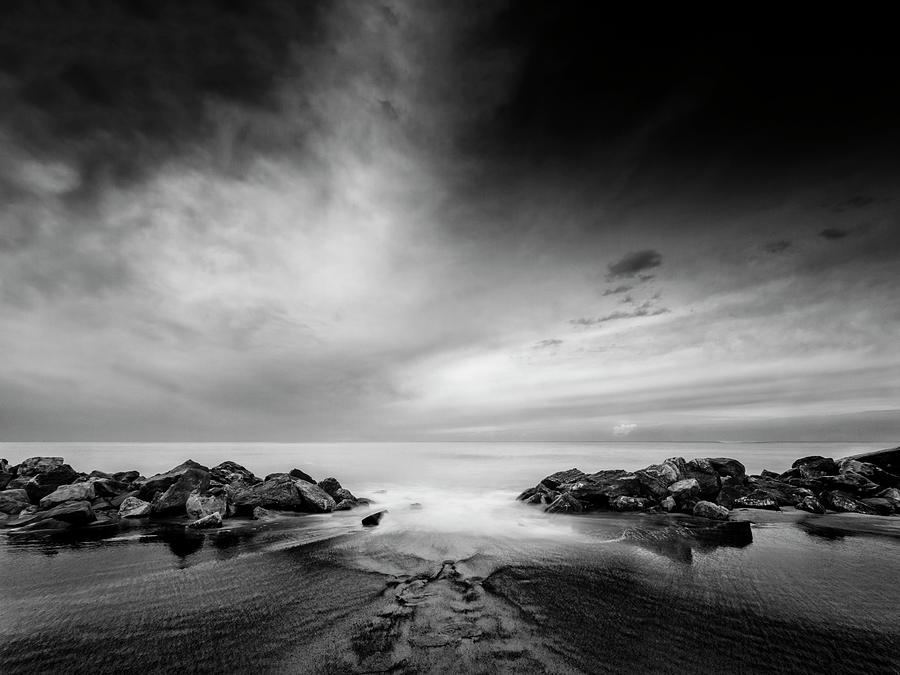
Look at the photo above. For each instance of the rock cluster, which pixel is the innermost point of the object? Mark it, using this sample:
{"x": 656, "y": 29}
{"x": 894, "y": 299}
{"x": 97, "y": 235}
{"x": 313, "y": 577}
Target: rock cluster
{"x": 45, "y": 493}
{"x": 711, "y": 487}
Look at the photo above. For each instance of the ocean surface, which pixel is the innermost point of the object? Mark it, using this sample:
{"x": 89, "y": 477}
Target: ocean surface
{"x": 469, "y": 581}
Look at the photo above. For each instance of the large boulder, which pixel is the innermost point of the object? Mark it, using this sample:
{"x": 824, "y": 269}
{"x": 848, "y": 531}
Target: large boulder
{"x": 301, "y": 475}
{"x": 76, "y": 513}
{"x": 881, "y": 505}
{"x": 13, "y": 501}
{"x": 163, "y": 481}
{"x": 870, "y": 471}
{"x": 554, "y": 480}
{"x": 43, "y": 483}
{"x": 815, "y": 466}
{"x": 725, "y": 466}
{"x": 837, "y": 500}
{"x": 705, "y": 509}
{"x": 850, "y": 482}
{"x": 126, "y": 476}
{"x": 69, "y": 493}
{"x": 600, "y": 488}
{"x": 889, "y": 460}
{"x": 565, "y": 503}
{"x": 785, "y": 494}
{"x": 684, "y": 490}
{"x": 132, "y": 507}
{"x": 315, "y": 499}
{"x": 228, "y": 472}
{"x": 110, "y": 487}
{"x": 173, "y": 501}
{"x": 891, "y": 493}
{"x": 702, "y": 470}
{"x": 199, "y": 506}
{"x": 656, "y": 478}
{"x": 37, "y": 465}
{"x": 330, "y": 485}
{"x": 731, "y": 491}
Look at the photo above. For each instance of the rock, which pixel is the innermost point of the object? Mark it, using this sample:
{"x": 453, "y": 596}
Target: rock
{"x": 208, "y": 521}
{"x": 725, "y": 466}
{"x": 624, "y": 503}
{"x": 756, "y": 500}
{"x": 343, "y": 495}
{"x": 783, "y": 493}
{"x": 874, "y": 473}
{"x": 13, "y": 501}
{"x": 685, "y": 489}
{"x": 228, "y": 472}
{"x": 705, "y": 509}
{"x": 38, "y": 465}
{"x": 769, "y": 474}
{"x": 119, "y": 499}
{"x": 891, "y": 493}
{"x": 344, "y": 505}
{"x": 301, "y": 475}
{"x": 706, "y": 476}
{"x": 199, "y": 506}
{"x": 415, "y": 506}
{"x": 837, "y": 500}
{"x": 811, "y": 504}
{"x": 259, "y": 513}
{"x": 373, "y": 519}
{"x": 815, "y": 466}
{"x": 851, "y": 482}
{"x": 565, "y": 503}
{"x": 277, "y": 493}
{"x": 789, "y": 474}
{"x": 69, "y": 493}
{"x": 656, "y": 478}
{"x": 132, "y": 507}
{"x": 163, "y": 481}
{"x": 45, "y": 482}
{"x": 602, "y": 487}
{"x": 730, "y": 492}
{"x": 880, "y": 505}
{"x": 110, "y": 487}
{"x": 76, "y": 513}
{"x": 126, "y": 476}
{"x": 172, "y": 502}
{"x": 554, "y": 480}
{"x": 888, "y": 460}
{"x": 668, "y": 504}
{"x": 330, "y": 485}
{"x": 315, "y": 499}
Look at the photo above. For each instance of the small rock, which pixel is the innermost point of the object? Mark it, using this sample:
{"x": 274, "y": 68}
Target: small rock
{"x": 373, "y": 519}
{"x": 132, "y": 507}
{"x": 668, "y": 504}
{"x": 259, "y": 513}
{"x": 757, "y": 500}
{"x": 624, "y": 503}
{"x": 212, "y": 520}
{"x": 706, "y": 509}
{"x": 811, "y": 504}
{"x": 344, "y": 505}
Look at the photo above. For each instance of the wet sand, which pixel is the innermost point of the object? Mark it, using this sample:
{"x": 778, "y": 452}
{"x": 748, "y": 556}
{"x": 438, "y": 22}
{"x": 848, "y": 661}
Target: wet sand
{"x": 529, "y": 593}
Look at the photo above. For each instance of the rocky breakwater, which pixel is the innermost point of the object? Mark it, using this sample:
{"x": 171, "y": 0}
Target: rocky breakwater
{"x": 711, "y": 487}
{"x": 44, "y": 494}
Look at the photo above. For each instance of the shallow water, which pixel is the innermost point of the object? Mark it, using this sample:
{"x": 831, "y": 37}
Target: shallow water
{"x": 471, "y": 582}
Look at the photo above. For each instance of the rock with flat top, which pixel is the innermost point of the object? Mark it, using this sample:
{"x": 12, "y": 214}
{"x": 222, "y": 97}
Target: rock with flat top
{"x": 69, "y": 493}
{"x": 554, "y": 480}
{"x": 704, "y": 509}
{"x": 37, "y": 465}
{"x": 815, "y": 466}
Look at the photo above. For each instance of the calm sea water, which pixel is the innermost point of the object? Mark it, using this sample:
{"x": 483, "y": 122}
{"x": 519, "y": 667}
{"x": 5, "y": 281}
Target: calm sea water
{"x": 501, "y": 586}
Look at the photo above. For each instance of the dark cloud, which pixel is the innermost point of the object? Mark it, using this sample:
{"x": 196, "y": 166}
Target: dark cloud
{"x": 778, "y": 246}
{"x": 833, "y": 233}
{"x": 855, "y": 202}
{"x": 633, "y": 263}
{"x": 645, "y": 309}
{"x": 544, "y": 344}
{"x": 617, "y": 290}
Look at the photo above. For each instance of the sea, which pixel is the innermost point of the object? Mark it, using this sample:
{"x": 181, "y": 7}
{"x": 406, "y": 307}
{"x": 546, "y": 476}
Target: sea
{"x": 457, "y": 577}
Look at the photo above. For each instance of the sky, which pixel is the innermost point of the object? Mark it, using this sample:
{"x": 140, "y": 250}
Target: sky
{"x": 361, "y": 220}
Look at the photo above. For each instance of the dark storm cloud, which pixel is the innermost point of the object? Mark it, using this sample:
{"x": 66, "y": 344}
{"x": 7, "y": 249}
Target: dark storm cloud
{"x": 633, "y": 263}
{"x": 121, "y": 85}
{"x": 833, "y": 233}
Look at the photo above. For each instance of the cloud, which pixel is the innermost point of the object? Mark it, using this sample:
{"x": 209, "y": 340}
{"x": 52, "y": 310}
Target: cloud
{"x": 833, "y": 233}
{"x": 617, "y": 290}
{"x": 624, "y": 428}
{"x": 642, "y": 311}
{"x": 633, "y": 263}
{"x": 545, "y": 344}
{"x": 855, "y": 202}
